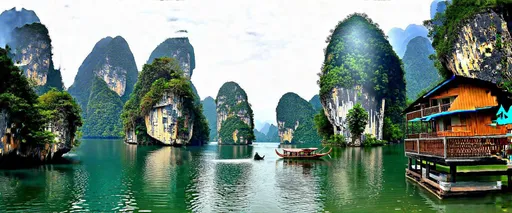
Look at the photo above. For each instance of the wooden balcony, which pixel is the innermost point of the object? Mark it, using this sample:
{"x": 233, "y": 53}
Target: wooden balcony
{"x": 428, "y": 111}
{"x": 456, "y": 148}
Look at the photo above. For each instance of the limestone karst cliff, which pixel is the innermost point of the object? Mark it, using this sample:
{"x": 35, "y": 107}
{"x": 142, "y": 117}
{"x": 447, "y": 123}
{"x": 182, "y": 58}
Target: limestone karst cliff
{"x": 33, "y": 130}
{"x": 112, "y": 63}
{"x": 365, "y": 70}
{"x": 178, "y": 48}
{"x": 163, "y": 108}
{"x": 32, "y": 52}
{"x": 294, "y": 117}
{"x": 235, "y": 122}
{"x": 475, "y": 41}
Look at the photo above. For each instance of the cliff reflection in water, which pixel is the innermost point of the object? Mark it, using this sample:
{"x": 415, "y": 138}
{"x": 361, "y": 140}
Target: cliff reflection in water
{"x": 356, "y": 175}
{"x": 167, "y": 172}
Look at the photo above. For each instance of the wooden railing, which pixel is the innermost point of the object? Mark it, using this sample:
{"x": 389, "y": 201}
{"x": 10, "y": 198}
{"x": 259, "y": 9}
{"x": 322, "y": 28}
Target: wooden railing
{"x": 428, "y": 111}
{"x": 413, "y": 115}
{"x": 457, "y": 147}
{"x": 411, "y": 145}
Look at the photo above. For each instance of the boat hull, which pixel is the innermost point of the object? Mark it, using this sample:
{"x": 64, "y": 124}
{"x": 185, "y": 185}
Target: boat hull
{"x": 315, "y": 156}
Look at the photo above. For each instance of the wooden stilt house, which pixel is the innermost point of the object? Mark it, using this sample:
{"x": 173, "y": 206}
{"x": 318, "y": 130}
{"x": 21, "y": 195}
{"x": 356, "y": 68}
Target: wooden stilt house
{"x": 457, "y": 123}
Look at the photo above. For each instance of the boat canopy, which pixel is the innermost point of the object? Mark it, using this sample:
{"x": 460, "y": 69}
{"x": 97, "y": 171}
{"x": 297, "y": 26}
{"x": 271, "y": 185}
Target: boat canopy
{"x": 300, "y": 150}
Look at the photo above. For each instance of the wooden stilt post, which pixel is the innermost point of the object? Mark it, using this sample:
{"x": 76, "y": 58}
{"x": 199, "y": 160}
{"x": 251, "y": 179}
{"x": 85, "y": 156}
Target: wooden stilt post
{"x": 453, "y": 173}
{"x": 427, "y": 168}
{"x": 410, "y": 164}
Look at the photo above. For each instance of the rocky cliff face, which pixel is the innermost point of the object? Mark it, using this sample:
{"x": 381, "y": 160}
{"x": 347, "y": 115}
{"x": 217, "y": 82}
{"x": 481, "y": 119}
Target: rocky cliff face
{"x": 179, "y": 49}
{"x": 164, "y": 109}
{"x": 32, "y": 50}
{"x": 341, "y": 100}
{"x": 482, "y": 48}
{"x": 111, "y": 61}
{"x": 10, "y": 145}
{"x": 167, "y": 121}
{"x": 232, "y": 103}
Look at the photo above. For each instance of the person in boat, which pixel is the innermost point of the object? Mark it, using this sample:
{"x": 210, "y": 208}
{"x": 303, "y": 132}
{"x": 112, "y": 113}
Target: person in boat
{"x": 258, "y": 157}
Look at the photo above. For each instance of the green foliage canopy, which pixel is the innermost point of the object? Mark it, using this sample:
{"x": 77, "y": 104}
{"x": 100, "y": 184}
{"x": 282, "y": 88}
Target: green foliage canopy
{"x": 357, "y": 118}
{"x": 232, "y": 124}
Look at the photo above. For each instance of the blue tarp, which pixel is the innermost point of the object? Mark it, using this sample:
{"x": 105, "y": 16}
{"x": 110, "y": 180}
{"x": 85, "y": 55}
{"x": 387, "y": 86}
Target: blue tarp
{"x": 433, "y": 116}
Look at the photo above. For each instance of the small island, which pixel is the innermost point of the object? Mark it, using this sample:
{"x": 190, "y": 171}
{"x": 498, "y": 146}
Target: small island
{"x": 235, "y": 119}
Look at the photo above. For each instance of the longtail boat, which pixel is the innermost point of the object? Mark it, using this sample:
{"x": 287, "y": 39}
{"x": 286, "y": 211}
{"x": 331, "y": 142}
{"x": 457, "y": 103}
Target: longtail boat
{"x": 305, "y": 153}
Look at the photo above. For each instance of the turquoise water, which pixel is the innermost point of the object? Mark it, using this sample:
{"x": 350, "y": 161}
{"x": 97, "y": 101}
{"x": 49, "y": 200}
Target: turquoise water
{"x": 109, "y": 175}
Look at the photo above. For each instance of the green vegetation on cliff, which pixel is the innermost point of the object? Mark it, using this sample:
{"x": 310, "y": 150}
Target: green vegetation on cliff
{"x": 292, "y": 109}
{"x": 359, "y": 54}
{"x": 232, "y": 100}
{"x": 323, "y": 126}
{"x": 231, "y": 125}
{"x": 315, "y": 102}
{"x": 420, "y": 71}
{"x": 161, "y": 76}
{"x": 59, "y": 106}
{"x": 103, "y": 111}
{"x": 19, "y": 101}
{"x": 446, "y": 32}
{"x": 101, "y": 105}
{"x": 28, "y": 114}
{"x": 210, "y": 112}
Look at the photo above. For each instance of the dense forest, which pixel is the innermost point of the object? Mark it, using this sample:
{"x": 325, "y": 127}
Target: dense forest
{"x": 369, "y": 61}
{"x": 103, "y": 111}
{"x": 28, "y": 114}
{"x": 293, "y": 109}
{"x": 32, "y": 41}
{"x": 110, "y": 60}
{"x": 232, "y": 102}
{"x": 420, "y": 72}
{"x": 155, "y": 79}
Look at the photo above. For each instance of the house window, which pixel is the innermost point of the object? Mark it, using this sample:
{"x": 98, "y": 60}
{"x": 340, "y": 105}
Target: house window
{"x": 447, "y": 123}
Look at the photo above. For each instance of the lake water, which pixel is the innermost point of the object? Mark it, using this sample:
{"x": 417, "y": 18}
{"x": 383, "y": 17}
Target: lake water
{"x": 112, "y": 176}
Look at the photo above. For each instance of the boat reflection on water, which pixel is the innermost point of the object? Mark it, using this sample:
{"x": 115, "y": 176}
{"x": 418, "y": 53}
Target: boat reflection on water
{"x": 305, "y": 163}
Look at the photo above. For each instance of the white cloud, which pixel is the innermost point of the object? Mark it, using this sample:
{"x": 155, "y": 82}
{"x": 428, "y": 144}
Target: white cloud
{"x": 269, "y": 47}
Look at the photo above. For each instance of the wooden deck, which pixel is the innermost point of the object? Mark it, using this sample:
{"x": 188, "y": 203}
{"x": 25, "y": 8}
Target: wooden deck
{"x": 457, "y": 148}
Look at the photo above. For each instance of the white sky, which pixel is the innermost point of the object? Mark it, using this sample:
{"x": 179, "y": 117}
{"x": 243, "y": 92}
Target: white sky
{"x": 269, "y": 47}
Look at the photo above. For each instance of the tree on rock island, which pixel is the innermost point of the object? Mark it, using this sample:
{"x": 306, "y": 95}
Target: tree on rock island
{"x": 357, "y": 119}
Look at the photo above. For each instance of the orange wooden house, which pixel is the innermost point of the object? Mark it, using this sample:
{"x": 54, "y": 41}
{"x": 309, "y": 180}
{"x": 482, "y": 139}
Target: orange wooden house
{"x": 455, "y": 124}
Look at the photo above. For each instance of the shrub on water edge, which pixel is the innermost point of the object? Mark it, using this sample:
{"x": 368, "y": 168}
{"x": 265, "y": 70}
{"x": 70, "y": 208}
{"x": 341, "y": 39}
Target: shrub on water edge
{"x": 370, "y": 141}
{"x": 336, "y": 140}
